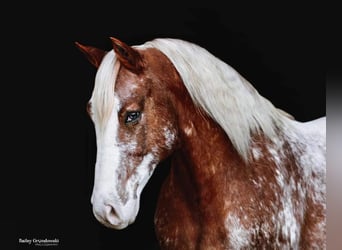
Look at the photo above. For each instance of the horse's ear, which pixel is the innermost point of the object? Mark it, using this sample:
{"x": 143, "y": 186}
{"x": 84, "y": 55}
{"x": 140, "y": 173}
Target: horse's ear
{"x": 129, "y": 57}
{"x": 94, "y": 55}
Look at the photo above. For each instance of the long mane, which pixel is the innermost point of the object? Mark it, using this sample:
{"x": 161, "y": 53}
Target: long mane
{"x": 222, "y": 93}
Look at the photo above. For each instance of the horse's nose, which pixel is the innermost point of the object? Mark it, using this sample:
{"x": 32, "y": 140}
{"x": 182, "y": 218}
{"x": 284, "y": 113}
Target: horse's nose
{"x": 106, "y": 214}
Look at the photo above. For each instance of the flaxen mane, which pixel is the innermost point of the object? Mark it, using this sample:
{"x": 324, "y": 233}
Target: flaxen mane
{"x": 226, "y": 96}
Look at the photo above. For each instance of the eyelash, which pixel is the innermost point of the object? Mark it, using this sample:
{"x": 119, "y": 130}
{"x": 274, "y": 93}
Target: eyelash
{"x": 132, "y": 117}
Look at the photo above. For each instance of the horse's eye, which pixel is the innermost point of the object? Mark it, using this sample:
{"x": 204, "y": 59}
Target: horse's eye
{"x": 132, "y": 117}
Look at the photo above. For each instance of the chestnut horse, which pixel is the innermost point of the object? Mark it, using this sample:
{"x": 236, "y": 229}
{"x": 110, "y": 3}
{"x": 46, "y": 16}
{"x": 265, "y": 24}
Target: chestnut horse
{"x": 243, "y": 175}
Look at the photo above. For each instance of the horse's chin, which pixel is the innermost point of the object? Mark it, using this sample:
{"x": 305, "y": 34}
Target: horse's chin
{"x": 119, "y": 226}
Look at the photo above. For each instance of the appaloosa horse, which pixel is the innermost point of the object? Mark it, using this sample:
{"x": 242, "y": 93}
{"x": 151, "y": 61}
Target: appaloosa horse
{"x": 244, "y": 174}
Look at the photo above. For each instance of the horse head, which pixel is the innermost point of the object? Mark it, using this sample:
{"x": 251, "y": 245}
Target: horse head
{"x": 135, "y": 126}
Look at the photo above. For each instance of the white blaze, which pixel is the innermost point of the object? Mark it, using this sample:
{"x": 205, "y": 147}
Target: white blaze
{"x": 108, "y": 205}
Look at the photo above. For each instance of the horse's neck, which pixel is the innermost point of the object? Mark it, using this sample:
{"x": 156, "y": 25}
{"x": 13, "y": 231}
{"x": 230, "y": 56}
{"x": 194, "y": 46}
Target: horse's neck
{"x": 202, "y": 159}
{"x": 196, "y": 184}
{"x": 206, "y": 148}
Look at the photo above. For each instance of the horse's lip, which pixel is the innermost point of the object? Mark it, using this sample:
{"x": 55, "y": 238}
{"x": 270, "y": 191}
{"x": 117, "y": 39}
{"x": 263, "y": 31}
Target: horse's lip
{"x": 119, "y": 226}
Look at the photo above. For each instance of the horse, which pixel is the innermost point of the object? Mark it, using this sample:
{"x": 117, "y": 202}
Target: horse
{"x": 243, "y": 173}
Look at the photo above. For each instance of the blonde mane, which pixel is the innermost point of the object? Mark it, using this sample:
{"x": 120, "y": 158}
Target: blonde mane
{"x": 222, "y": 92}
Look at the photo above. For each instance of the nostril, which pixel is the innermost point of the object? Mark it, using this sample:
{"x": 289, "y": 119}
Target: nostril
{"x": 110, "y": 211}
{"x": 110, "y": 214}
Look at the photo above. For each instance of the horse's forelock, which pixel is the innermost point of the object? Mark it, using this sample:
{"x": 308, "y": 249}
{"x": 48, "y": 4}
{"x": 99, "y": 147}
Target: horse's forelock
{"x": 103, "y": 94}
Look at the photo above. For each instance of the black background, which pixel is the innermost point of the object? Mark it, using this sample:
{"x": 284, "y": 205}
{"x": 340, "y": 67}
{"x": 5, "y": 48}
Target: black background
{"x": 279, "y": 49}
